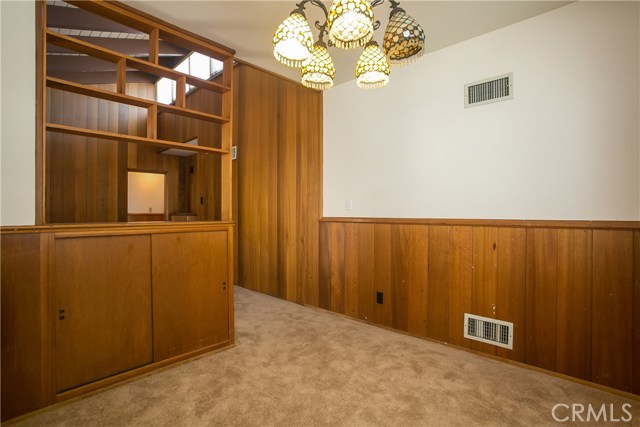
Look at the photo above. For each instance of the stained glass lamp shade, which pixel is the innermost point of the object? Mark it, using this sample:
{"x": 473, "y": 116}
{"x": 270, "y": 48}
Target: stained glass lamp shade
{"x": 372, "y": 70}
{"x": 350, "y": 23}
{"x": 293, "y": 41}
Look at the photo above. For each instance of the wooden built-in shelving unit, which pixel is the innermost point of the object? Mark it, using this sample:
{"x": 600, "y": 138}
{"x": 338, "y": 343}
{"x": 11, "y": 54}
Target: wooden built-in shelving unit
{"x": 89, "y": 300}
{"x": 157, "y": 31}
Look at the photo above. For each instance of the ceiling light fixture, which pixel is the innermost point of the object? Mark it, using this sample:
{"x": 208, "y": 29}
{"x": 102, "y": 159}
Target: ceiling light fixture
{"x": 349, "y": 24}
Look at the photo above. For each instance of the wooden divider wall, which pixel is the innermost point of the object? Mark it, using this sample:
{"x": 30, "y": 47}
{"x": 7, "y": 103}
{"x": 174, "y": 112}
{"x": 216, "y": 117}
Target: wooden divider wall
{"x": 571, "y": 293}
{"x": 277, "y": 180}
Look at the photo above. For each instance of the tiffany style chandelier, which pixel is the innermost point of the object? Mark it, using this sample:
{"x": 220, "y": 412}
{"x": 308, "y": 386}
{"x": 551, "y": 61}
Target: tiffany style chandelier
{"x": 349, "y": 24}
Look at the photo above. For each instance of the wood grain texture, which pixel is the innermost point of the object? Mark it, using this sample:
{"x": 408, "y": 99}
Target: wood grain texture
{"x": 511, "y": 287}
{"x": 336, "y": 267}
{"x": 382, "y": 312}
{"x": 278, "y": 135}
{"x": 484, "y": 297}
{"x": 559, "y": 287}
{"x": 612, "y": 325}
{"x": 351, "y": 278}
{"x": 102, "y": 307}
{"x": 190, "y": 292}
{"x": 21, "y": 325}
{"x": 324, "y": 267}
{"x": 438, "y": 283}
{"x": 461, "y": 276}
{"x": 636, "y": 311}
{"x": 542, "y": 268}
{"x": 574, "y": 303}
{"x": 366, "y": 289}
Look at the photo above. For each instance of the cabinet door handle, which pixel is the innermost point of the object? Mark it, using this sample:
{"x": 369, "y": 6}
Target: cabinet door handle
{"x": 61, "y": 312}
{"x": 224, "y": 286}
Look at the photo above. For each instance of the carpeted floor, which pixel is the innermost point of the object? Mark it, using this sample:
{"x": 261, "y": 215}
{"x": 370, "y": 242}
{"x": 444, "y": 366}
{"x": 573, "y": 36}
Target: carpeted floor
{"x": 296, "y": 366}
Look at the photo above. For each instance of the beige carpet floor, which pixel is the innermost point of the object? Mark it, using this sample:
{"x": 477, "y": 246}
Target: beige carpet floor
{"x": 297, "y": 366}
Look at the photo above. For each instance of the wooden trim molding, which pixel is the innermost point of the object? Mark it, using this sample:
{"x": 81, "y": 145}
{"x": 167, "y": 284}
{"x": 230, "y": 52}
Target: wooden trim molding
{"x": 520, "y": 223}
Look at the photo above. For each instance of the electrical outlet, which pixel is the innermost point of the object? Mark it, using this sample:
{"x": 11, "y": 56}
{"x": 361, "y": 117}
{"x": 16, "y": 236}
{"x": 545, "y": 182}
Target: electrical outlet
{"x": 348, "y": 204}
{"x": 379, "y": 297}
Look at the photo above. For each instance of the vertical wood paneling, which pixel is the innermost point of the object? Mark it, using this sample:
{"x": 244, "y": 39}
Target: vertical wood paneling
{"x": 571, "y": 293}
{"x": 309, "y": 196}
{"x": 400, "y": 248}
{"x": 351, "y": 279}
{"x": 438, "y": 283}
{"x": 542, "y": 267}
{"x": 636, "y": 311}
{"x": 382, "y": 313}
{"x": 574, "y": 303}
{"x": 366, "y": 289}
{"x": 484, "y": 297}
{"x": 21, "y": 330}
{"x": 612, "y": 325}
{"x": 511, "y": 287}
{"x": 336, "y": 257}
{"x": 324, "y": 267}
{"x": 461, "y": 276}
{"x": 410, "y": 266}
{"x": 278, "y": 135}
{"x": 287, "y": 192}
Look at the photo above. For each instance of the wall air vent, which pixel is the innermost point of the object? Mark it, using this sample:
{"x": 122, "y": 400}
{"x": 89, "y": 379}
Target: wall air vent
{"x": 490, "y": 331}
{"x": 486, "y": 91}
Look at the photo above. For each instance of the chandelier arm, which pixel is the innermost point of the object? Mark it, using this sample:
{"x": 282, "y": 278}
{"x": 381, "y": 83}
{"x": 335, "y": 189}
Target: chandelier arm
{"x": 395, "y": 7}
{"x": 322, "y": 27}
{"x": 375, "y": 3}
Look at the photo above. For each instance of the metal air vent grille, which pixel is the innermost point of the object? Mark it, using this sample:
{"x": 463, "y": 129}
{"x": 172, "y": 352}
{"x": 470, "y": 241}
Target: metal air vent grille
{"x": 489, "y": 90}
{"x": 490, "y": 331}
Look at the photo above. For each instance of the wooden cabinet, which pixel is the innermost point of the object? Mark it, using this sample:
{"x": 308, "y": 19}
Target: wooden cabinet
{"x": 102, "y": 294}
{"x": 84, "y": 307}
{"x": 190, "y": 292}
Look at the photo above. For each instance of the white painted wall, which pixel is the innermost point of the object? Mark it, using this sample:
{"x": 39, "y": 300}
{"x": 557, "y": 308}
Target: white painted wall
{"x": 566, "y": 147}
{"x": 145, "y": 192}
{"x": 17, "y": 112}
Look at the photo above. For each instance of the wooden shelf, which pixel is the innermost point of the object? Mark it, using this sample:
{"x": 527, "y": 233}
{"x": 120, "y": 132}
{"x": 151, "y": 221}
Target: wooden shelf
{"x": 71, "y": 130}
{"x": 94, "y": 92}
{"x": 81, "y": 46}
{"x": 83, "y": 109}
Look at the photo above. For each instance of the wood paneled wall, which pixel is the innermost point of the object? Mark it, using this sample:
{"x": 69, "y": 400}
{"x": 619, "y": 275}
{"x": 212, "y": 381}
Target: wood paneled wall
{"x": 86, "y": 177}
{"x": 22, "y": 332}
{"x": 572, "y": 293}
{"x": 277, "y": 180}
{"x": 200, "y": 194}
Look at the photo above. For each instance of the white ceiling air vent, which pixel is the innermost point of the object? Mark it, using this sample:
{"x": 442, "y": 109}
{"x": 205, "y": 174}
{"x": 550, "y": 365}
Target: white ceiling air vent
{"x": 486, "y": 91}
{"x": 490, "y": 331}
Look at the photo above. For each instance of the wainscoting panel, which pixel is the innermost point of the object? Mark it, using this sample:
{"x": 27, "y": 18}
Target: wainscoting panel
{"x": 612, "y": 315}
{"x": 571, "y": 289}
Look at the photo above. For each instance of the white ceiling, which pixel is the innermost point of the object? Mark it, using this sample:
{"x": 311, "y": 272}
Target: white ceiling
{"x": 248, "y": 26}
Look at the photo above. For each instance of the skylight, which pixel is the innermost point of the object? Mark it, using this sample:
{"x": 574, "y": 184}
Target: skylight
{"x": 197, "y": 65}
